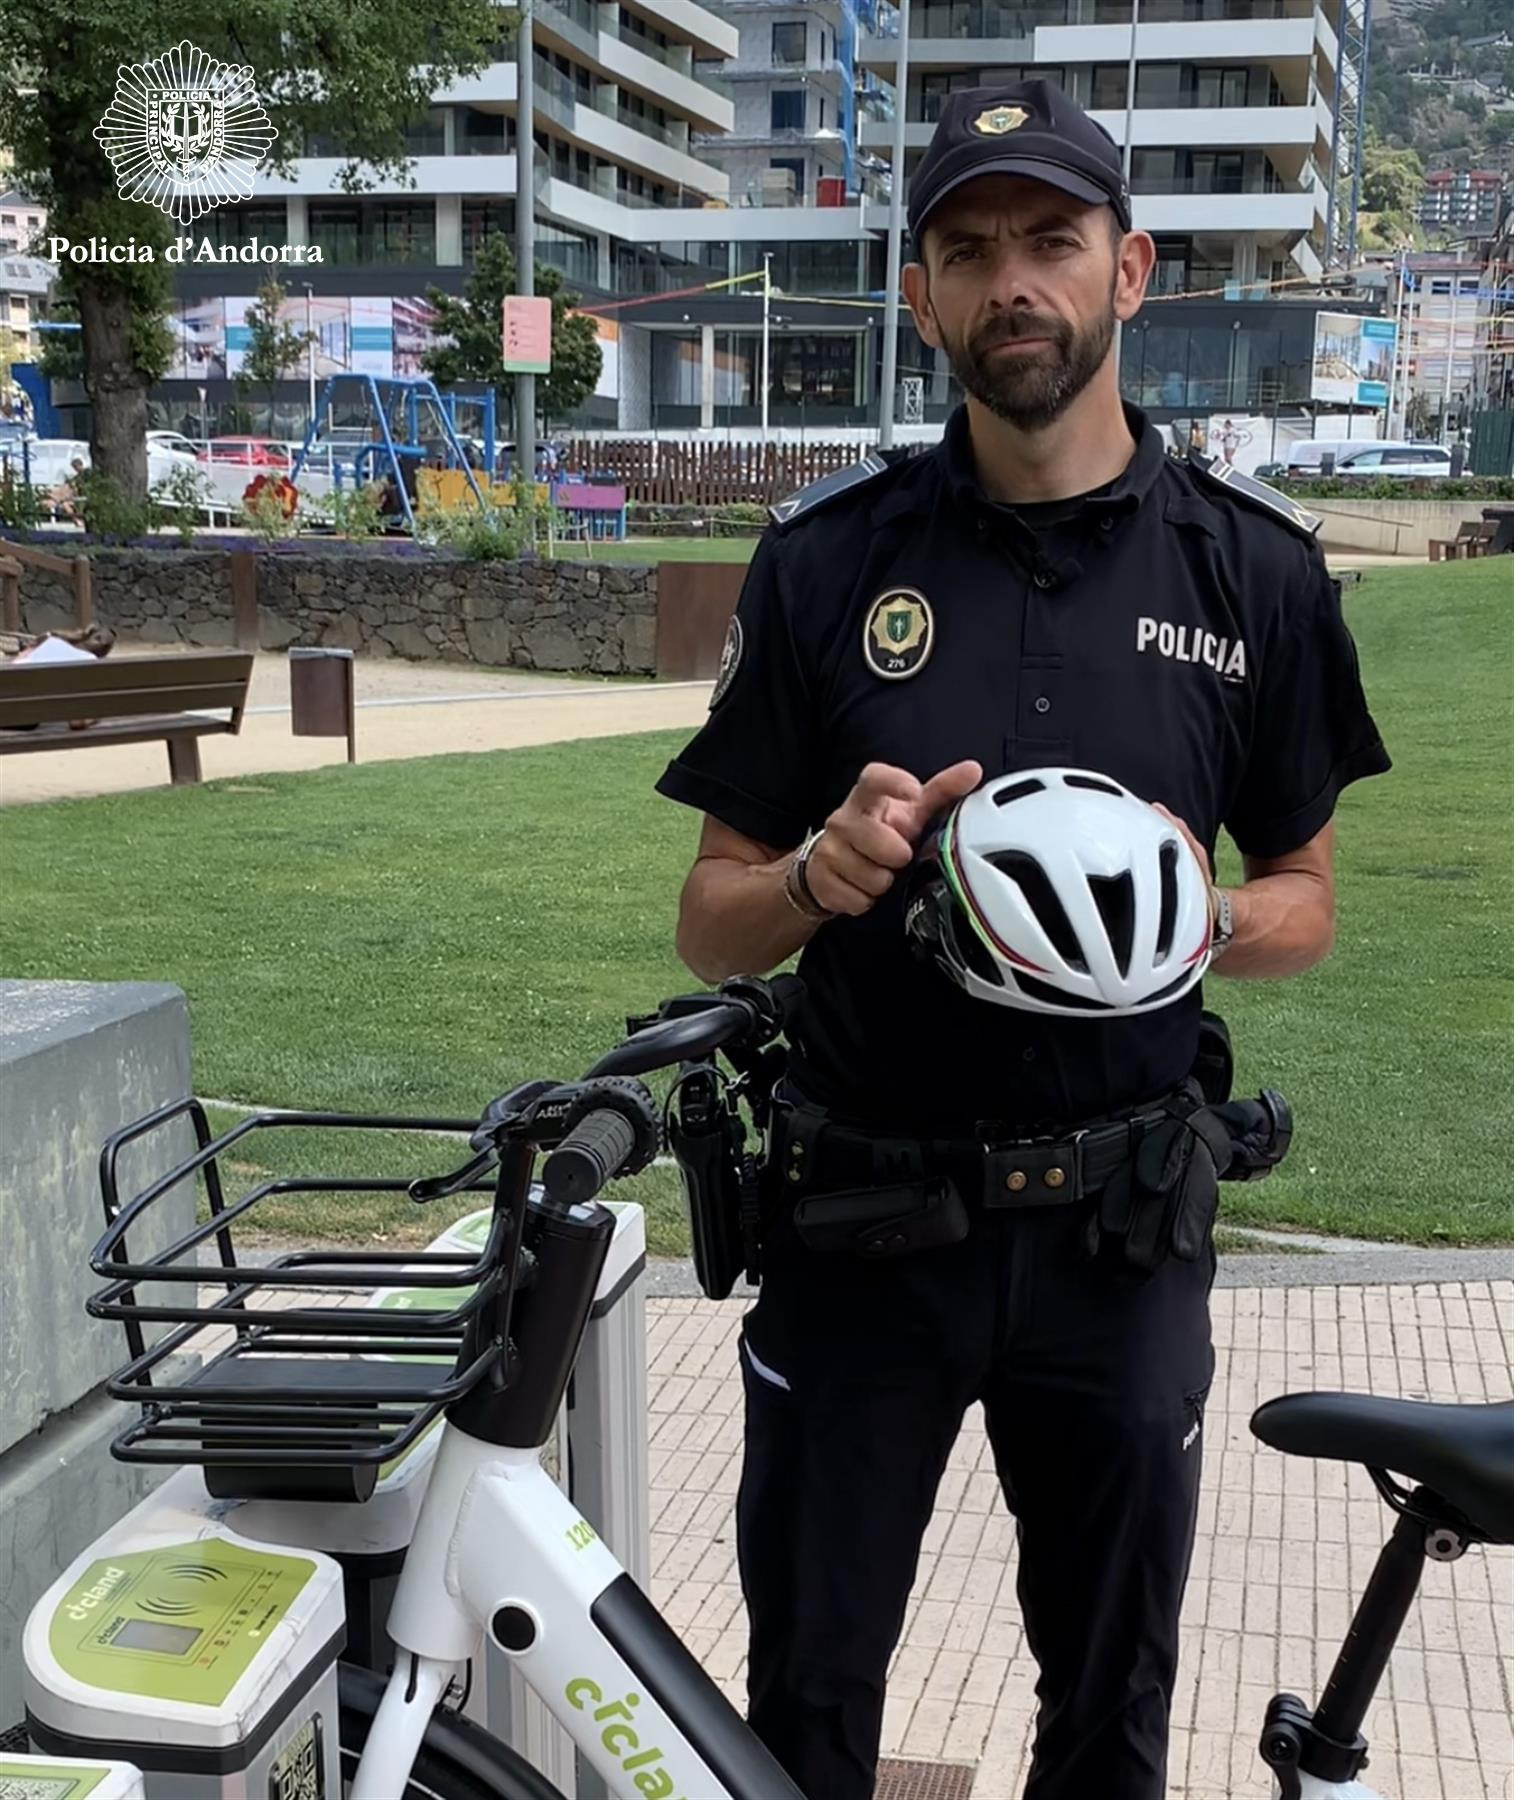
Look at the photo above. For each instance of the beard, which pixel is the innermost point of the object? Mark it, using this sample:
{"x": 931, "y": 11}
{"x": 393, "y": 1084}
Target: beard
{"x": 1031, "y": 390}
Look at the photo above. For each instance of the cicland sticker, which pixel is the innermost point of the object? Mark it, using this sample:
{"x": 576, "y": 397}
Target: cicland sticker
{"x": 730, "y": 661}
{"x": 899, "y": 635}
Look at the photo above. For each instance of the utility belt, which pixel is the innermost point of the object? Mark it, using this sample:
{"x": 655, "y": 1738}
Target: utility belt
{"x": 1153, "y": 1172}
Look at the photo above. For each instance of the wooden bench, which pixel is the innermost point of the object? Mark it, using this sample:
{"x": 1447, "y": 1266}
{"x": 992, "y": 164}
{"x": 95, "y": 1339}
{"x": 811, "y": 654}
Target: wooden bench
{"x": 127, "y": 700}
{"x": 1474, "y": 537}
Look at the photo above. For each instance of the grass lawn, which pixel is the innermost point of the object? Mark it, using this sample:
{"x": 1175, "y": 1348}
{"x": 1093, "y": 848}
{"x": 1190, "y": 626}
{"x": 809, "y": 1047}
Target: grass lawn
{"x": 667, "y": 549}
{"x": 415, "y": 937}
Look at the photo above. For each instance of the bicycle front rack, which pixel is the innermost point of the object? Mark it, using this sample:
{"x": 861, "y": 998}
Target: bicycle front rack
{"x": 323, "y": 1389}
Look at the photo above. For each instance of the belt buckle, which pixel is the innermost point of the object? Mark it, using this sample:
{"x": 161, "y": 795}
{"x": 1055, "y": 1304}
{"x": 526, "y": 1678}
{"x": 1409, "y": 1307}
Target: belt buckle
{"x": 1034, "y": 1171}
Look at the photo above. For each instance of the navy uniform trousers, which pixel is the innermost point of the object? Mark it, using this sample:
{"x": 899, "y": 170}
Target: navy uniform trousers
{"x": 857, "y": 1376}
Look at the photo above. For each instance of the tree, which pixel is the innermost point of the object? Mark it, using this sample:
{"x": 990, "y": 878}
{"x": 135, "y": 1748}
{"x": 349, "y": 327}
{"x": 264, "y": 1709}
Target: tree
{"x": 274, "y": 349}
{"x": 361, "y": 74}
{"x": 474, "y": 323}
{"x": 1392, "y": 180}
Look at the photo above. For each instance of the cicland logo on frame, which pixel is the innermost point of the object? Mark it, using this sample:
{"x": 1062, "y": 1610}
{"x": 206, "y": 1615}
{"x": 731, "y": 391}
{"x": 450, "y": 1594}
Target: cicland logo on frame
{"x": 186, "y": 133}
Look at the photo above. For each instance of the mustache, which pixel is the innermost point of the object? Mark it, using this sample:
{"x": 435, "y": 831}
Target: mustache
{"x": 1005, "y": 328}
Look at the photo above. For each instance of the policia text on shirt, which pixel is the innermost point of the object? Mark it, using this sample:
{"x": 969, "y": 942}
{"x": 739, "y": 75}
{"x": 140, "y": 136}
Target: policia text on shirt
{"x": 1043, "y": 589}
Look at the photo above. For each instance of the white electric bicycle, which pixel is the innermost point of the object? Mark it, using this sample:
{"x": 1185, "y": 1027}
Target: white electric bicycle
{"x": 199, "y": 1639}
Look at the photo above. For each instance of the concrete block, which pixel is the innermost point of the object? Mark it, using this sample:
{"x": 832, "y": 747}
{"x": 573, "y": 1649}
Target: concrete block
{"x": 58, "y": 1491}
{"x": 77, "y": 1061}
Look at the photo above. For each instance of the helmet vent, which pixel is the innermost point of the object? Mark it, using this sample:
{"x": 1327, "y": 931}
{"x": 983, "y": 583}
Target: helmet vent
{"x": 1018, "y": 792}
{"x": 1041, "y": 897}
{"x": 1043, "y": 990}
{"x": 1092, "y": 781}
{"x": 1114, "y": 895}
{"x": 1168, "y": 918}
{"x": 973, "y": 951}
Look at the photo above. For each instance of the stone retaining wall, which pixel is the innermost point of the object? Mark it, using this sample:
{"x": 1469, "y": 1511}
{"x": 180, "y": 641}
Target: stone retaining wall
{"x": 530, "y": 614}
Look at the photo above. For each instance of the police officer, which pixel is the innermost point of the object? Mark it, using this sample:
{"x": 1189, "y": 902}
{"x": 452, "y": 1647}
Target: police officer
{"x": 1044, "y": 587}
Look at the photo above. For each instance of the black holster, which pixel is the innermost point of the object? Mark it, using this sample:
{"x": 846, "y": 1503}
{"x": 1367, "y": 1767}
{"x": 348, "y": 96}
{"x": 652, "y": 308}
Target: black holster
{"x": 894, "y": 1207}
{"x": 1163, "y": 1201}
{"x": 708, "y": 1142}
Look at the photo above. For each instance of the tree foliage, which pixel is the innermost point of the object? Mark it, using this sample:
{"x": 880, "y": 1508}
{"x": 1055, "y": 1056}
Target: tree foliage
{"x": 361, "y": 73}
{"x": 274, "y": 348}
{"x": 474, "y": 322}
{"x": 1392, "y": 180}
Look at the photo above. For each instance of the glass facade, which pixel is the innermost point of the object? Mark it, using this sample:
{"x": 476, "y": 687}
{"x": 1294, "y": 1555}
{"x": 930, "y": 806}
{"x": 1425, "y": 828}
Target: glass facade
{"x": 1249, "y": 357}
{"x": 835, "y": 267}
{"x": 236, "y": 225}
{"x": 821, "y": 376}
{"x": 374, "y": 231}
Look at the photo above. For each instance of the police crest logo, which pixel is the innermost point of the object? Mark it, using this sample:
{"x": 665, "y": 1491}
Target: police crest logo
{"x": 185, "y": 132}
{"x": 999, "y": 119}
{"x": 899, "y": 635}
{"x": 730, "y": 661}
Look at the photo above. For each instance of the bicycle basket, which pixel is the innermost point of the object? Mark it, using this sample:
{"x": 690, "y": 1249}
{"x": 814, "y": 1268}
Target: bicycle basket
{"x": 300, "y": 1375}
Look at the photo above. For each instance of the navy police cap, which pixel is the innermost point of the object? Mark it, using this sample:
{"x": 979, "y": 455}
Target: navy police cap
{"x": 1029, "y": 129}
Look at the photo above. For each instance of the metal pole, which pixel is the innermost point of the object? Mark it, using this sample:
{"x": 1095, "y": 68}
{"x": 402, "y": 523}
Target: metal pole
{"x": 525, "y": 243}
{"x": 310, "y": 348}
{"x": 895, "y": 240}
{"x": 1126, "y": 154}
{"x": 767, "y": 318}
{"x": 1445, "y": 401}
{"x": 1400, "y": 363}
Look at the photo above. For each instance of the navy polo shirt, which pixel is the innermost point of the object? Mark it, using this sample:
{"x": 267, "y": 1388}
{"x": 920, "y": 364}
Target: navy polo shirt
{"x": 1169, "y": 630}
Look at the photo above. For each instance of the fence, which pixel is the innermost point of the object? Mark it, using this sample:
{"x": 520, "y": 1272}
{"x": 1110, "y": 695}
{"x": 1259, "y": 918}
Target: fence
{"x": 1491, "y": 451}
{"x": 708, "y": 474}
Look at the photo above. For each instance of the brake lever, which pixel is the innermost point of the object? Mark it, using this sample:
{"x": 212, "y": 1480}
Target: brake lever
{"x": 437, "y": 1187}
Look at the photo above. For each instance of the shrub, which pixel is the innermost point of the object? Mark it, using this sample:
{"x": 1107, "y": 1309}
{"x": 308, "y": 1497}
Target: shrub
{"x": 107, "y": 513}
{"x": 21, "y": 508}
{"x": 354, "y": 512}
{"x": 497, "y": 534}
{"x": 1389, "y": 487}
{"x": 266, "y": 510}
{"x": 177, "y": 500}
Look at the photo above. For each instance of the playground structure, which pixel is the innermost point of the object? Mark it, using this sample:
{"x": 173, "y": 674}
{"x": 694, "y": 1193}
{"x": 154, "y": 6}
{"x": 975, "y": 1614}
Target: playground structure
{"x": 398, "y": 401}
{"x": 415, "y": 442}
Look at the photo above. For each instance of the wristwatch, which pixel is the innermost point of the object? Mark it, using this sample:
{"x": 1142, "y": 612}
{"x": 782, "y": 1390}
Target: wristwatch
{"x": 1221, "y": 924}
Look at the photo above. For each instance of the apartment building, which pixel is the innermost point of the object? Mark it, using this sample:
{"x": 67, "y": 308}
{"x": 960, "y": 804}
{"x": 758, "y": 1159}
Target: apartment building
{"x": 1446, "y": 311}
{"x": 22, "y": 221}
{"x": 1461, "y": 200}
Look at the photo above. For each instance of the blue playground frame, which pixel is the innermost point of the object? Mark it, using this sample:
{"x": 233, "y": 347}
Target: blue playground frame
{"x": 384, "y": 452}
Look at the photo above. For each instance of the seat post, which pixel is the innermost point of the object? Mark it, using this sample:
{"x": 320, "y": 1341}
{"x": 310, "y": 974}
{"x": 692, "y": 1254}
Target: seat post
{"x": 1374, "y": 1631}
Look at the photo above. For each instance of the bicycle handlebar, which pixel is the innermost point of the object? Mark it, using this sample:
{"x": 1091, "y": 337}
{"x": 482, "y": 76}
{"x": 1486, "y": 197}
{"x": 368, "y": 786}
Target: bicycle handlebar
{"x": 693, "y": 1025}
{"x": 592, "y": 1153}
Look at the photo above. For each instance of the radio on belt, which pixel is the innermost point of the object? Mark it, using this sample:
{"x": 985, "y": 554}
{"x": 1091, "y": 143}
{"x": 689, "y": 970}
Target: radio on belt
{"x": 206, "y": 1658}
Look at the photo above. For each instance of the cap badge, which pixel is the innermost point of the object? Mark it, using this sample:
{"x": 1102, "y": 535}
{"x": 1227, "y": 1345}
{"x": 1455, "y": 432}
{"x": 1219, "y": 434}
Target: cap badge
{"x": 999, "y": 119}
{"x": 899, "y": 635}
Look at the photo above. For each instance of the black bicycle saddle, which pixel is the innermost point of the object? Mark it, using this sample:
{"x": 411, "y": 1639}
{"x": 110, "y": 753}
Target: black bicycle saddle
{"x": 1464, "y": 1454}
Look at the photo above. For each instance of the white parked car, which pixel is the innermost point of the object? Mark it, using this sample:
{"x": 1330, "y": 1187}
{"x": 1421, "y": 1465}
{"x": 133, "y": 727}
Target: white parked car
{"x": 1397, "y": 459}
{"x": 172, "y": 440}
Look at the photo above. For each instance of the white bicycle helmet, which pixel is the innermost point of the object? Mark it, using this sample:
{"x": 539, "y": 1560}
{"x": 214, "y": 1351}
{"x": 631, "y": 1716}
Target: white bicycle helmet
{"x": 1058, "y": 891}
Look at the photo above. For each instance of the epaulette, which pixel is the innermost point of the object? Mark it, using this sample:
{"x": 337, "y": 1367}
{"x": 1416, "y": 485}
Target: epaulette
{"x": 843, "y": 481}
{"x": 1255, "y": 493}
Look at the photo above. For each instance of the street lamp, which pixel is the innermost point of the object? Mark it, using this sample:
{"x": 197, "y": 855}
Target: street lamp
{"x": 767, "y": 328}
{"x": 310, "y": 348}
{"x": 895, "y": 236}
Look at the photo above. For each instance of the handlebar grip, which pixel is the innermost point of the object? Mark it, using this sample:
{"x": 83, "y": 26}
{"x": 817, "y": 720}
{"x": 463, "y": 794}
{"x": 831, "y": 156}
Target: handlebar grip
{"x": 590, "y": 1155}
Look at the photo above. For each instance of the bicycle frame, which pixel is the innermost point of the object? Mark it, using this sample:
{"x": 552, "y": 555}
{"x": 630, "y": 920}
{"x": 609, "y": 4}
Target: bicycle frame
{"x": 499, "y": 1548}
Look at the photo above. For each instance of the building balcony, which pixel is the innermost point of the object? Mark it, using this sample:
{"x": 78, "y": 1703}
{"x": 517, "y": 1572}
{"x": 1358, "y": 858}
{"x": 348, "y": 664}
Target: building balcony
{"x": 1057, "y": 35}
{"x": 1161, "y": 128}
{"x": 1179, "y": 211}
{"x": 826, "y": 69}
